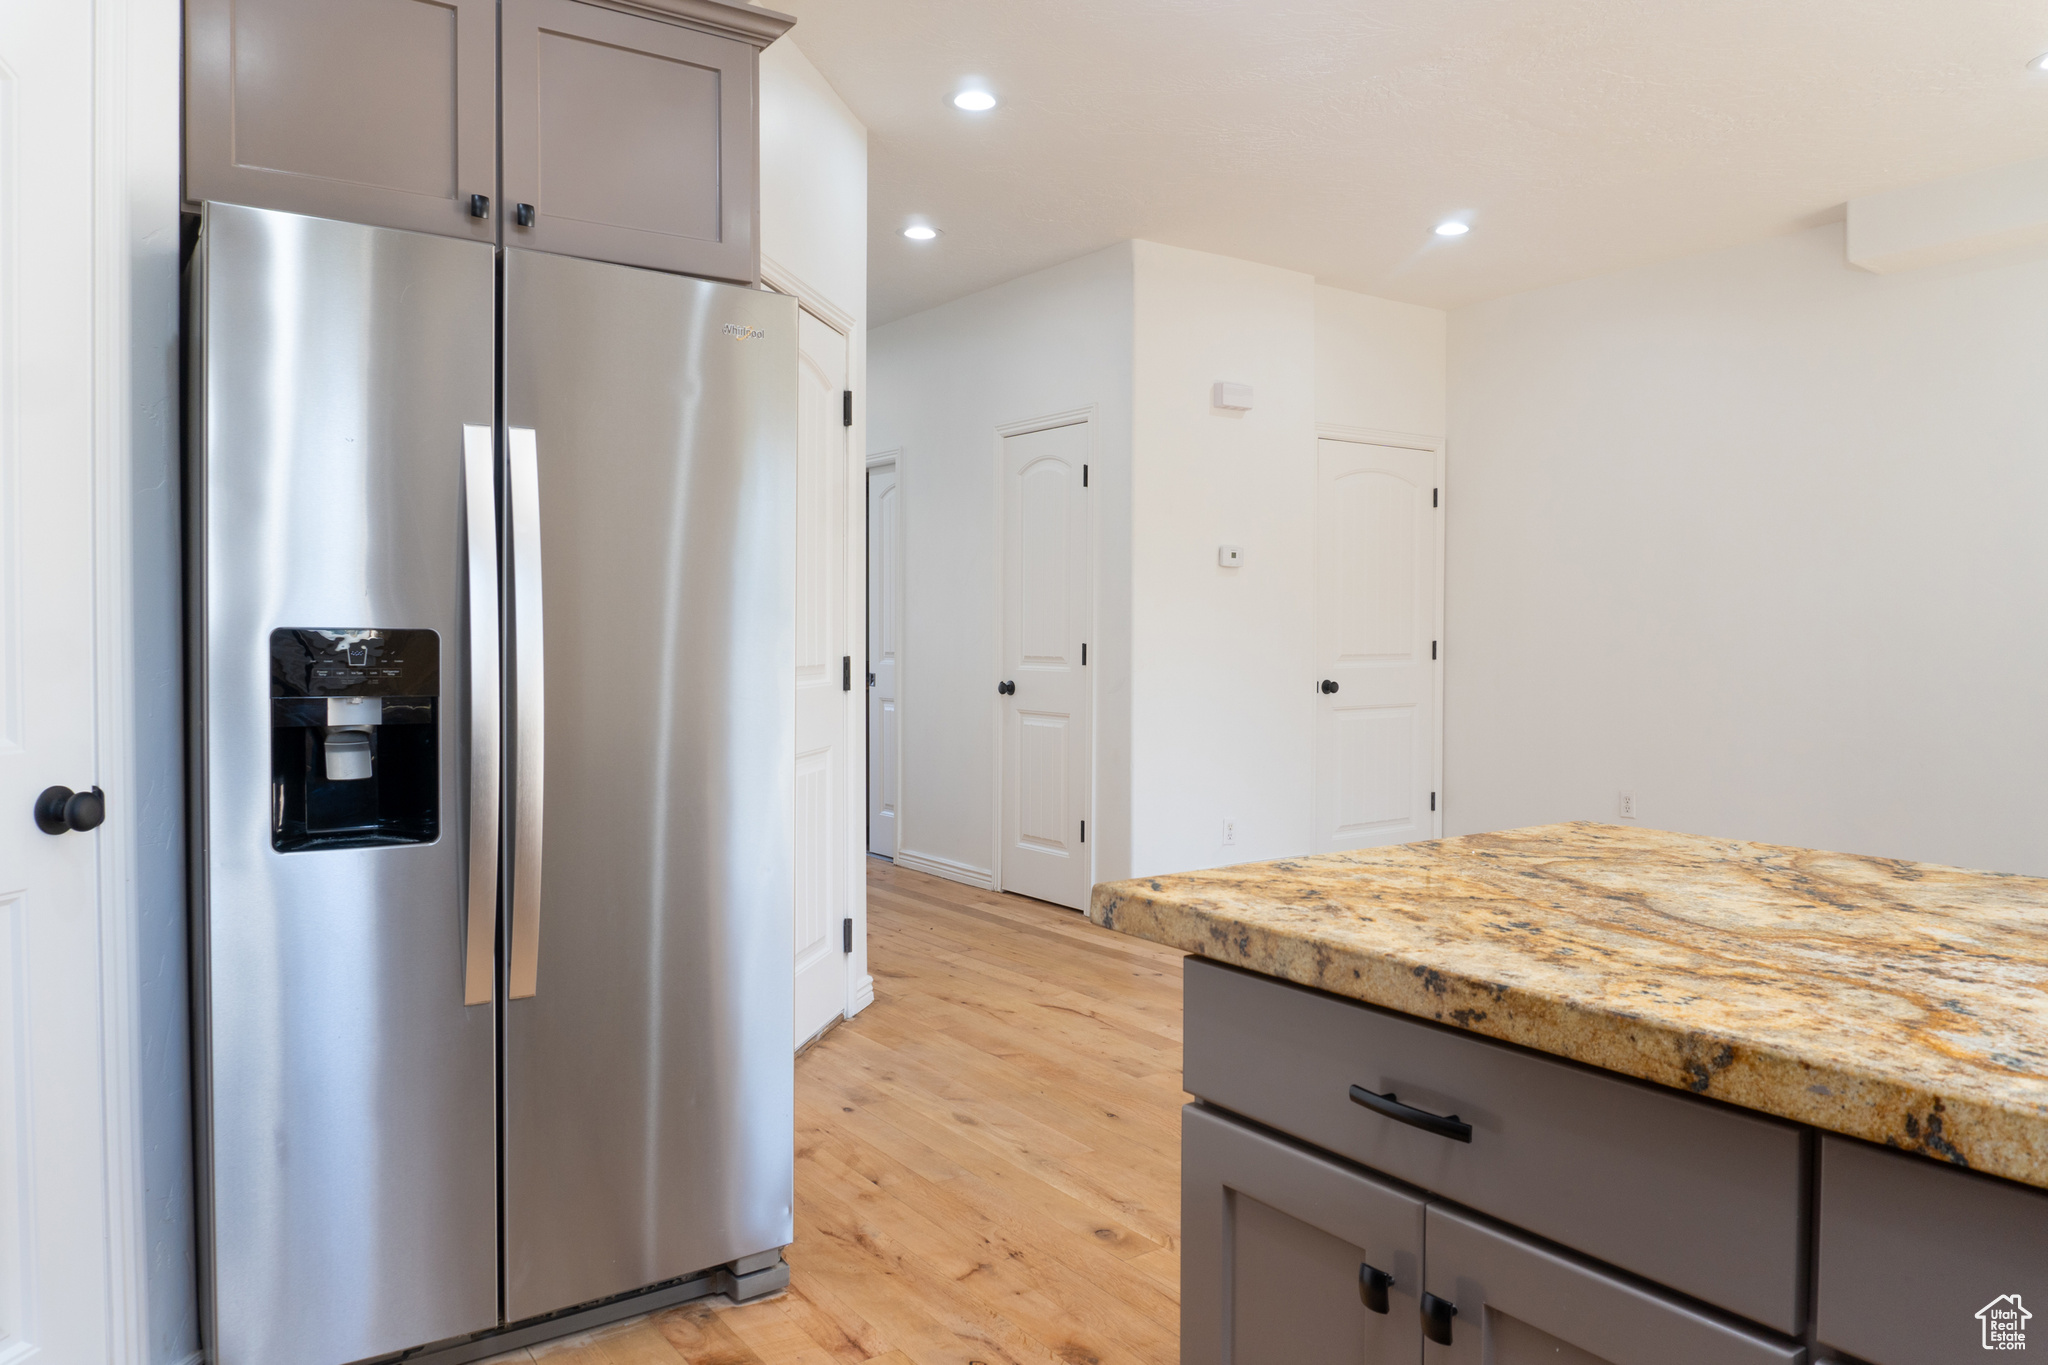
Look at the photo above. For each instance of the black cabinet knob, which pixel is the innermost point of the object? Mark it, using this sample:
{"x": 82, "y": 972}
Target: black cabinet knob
{"x": 60, "y": 810}
{"x": 1008, "y": 689}
{"x": 479, "y": 206}
{"x": 523, "y": 215}
{"x": 1436, "y": 1318}
{"x": 1327, "y": 687}
{"x": 1373, "y": 1284}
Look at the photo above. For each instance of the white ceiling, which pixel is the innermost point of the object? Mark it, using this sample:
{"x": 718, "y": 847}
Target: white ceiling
{"x": 1329, "y": 136}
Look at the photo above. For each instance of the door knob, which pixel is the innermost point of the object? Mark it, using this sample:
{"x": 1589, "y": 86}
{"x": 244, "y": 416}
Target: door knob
{"x": 1373, "y": 1284}
{"x": 1436, "y": 1318}
{"x": 1328, "y": 687}
{"x": 1008, "y": 689}
{"x": 60, "y": 809}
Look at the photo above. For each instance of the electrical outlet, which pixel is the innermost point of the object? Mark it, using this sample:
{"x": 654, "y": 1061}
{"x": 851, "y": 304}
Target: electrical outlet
{"x": 1628, "y": 805}
{"x": 1229, "y": 829}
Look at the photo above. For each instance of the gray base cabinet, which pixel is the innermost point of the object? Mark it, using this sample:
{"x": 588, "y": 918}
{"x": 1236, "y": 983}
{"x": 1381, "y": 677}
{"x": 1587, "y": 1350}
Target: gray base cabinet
{"x": 1922, "y": 1264}
{"x": 1282, "y": 1250}
{"x": 1529, "y": 1210}
{"x": 1521, "y": 1303}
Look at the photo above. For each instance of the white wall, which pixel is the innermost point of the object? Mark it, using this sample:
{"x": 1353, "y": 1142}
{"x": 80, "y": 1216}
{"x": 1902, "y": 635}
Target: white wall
{"x": 814, "y": 244}
{"x": 1759, "y": 536}
{"x": 1379, "y": 364}
{"x": 943, "y": 380}
{"x": 1222, "y": 712}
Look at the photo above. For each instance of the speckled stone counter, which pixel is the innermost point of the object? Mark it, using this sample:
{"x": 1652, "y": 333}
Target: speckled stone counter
{"x": 1900, "y": 1002}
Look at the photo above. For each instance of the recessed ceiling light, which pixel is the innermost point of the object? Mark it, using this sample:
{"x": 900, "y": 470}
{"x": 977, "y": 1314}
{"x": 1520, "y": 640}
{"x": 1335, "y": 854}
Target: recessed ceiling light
{"x": 2039, "y": 63}
{"x": 918, "y": 232}
{"x": 974, "y": 101}
{"x": 1453, "y": 228}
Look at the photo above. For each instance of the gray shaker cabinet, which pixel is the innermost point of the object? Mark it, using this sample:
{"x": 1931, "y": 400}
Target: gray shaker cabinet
{"x": 1519, "y": 1302}
{"x": 627, "y": 130}
{"x": 373, "y": 111}
{"x": 629, "y": 139}
{"x": 1283, "y": 1251}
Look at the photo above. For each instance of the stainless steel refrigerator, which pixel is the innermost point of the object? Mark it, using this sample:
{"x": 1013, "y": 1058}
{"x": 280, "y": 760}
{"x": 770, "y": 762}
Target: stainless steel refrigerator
{"x": 491, "y": 607}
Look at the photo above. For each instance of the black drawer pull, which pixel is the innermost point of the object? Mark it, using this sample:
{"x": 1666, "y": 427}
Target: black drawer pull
{"x": 1373, "y": 1284}
{"x": 1436, "y": 1318}
{"x": 1443, "y": 1125}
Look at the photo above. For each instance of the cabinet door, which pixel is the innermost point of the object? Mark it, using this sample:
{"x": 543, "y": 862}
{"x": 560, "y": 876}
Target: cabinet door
{"x": 371, "y": 111}
{"x": 1277, "y": 1242}
{"x": 1519, "y": 1302}
{"x": 632, "y": 140}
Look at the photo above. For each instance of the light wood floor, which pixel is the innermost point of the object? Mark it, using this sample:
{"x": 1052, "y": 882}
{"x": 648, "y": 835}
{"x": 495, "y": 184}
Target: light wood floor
{"x": 987, "y": 1158}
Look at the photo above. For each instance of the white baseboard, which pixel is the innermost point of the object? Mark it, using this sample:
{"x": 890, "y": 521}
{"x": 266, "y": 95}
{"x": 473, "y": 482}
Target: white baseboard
{"x": 863, "y": 995}
{"x": 947, "y": 868}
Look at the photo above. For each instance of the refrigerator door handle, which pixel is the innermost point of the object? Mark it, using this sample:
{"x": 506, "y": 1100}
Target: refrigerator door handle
{"x": 480, "y": 508}
{"x": 529, "y": 728}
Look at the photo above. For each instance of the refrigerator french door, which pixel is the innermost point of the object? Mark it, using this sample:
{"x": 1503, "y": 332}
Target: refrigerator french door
{"x": 492, "y": 573}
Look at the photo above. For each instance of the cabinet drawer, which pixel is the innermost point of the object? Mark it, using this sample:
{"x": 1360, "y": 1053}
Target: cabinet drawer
{"x": 1275, "y": 1246}
{"x": 1911, "y": 1251}
{"x": 1519, "y": 1303}
{"x": 1692, "y": 1194}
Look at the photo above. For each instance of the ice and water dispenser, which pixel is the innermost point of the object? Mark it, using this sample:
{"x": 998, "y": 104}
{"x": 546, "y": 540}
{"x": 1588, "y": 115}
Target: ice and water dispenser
{"x": 354, "y": 747}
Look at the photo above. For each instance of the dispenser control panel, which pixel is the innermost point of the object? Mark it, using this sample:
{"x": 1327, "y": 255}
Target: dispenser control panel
{"x": 355, "y": 738}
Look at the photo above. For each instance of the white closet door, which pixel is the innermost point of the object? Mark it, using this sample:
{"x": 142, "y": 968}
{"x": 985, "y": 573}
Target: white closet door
{"x": 822, "y": 674}
{"x": 1047, "y": 725}
{"x": 885, "y": 506}
{"x": 1375, "y": 610}
{"x": 55, "y": 1166}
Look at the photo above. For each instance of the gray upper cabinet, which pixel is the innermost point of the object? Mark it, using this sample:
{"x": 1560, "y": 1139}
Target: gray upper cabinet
{"x": 627, "y": 130}
{"x": 629, "y": 138}
{"x": 373, "y": 111}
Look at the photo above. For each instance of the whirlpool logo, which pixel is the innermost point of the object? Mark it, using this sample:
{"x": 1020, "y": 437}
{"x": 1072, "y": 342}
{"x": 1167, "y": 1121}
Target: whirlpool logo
{"x": 743, "y": 332}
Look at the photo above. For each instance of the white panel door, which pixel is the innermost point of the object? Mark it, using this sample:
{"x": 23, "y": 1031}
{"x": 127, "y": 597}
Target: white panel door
{"x": 822, "y": 677}
{"x": 885, "y": 506}
{"x": 1375, "y": 610}
{"x": 55, "y": 1168}
{"x": 1047, "y": 721}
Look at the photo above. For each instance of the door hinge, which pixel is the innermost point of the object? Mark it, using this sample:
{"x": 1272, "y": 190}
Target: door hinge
{"x": 1432, "y": 800}
{"x": 1432, "y": 492}
{"x": 1084, "y": 476}
{"x": 846, "y": 935}
{"x": 846, "y": 407}
{"x": 846, "y": 673}
{"x": 1084, "y": 831}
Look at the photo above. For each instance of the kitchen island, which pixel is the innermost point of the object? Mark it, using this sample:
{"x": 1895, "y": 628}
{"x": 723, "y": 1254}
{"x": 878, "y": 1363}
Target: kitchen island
{"x": 1742, "y": 1101}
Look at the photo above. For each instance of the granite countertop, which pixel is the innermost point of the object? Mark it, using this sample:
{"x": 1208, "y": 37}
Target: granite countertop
{"x": 1900, "y": 1002}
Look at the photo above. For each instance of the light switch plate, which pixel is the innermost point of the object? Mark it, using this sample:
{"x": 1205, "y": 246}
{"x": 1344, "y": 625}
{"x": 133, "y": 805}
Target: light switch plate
{"x": 1229, "y": 556}
{"x": 1231, "y": 397}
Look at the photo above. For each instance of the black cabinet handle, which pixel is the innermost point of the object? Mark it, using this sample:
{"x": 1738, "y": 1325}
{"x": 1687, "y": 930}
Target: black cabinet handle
{"x": 1328, "y": 687}
{"x": 1008, "y": 689}
{"x": 479, "y": 206}
{"x": 1443, "y": 1125}
{"x": 1436, "y": 1318}
{"x": 1373, "y": 1284}
{"x": 60, "y": 810}
{"x": 523, "y": 215}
